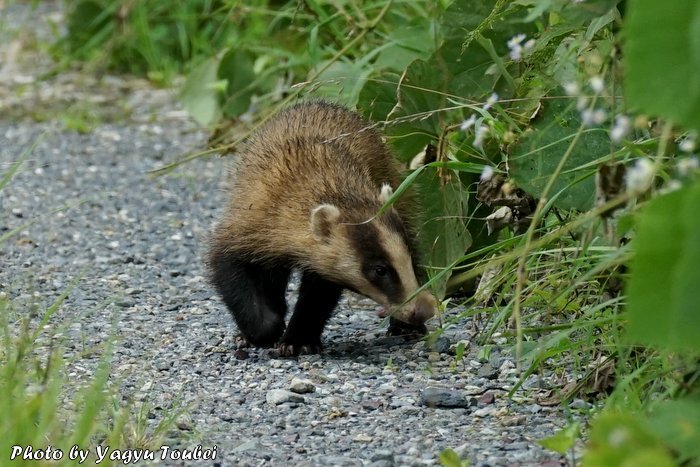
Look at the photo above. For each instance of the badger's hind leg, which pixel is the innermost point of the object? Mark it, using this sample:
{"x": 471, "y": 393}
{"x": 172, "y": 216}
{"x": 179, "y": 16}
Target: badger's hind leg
{"x": 317, "y": 299}
{"x": 255, "y": 295}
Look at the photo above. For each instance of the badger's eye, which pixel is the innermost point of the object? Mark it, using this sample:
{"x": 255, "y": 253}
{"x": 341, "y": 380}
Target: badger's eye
{"x": 381, "y": 271}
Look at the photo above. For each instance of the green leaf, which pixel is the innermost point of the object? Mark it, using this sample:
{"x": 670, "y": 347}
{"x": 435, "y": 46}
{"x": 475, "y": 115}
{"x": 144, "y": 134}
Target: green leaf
{"x": 537, "y": 153}
{"x": 664, "y": 274}
{"x": 444, "y": 234}
{"x": 449, "y": 458}
{"x": 199, "y": 95}
{"x": 662, "y": 59}
{"x": 342, "y": 82}
{"x": 563, "y": 440}
{"x": 407, "y": 43}
{"x": 678, "y": 424}
{"x": 622, "y": 439}
{"x": 378, "y": 101}
{"x": 236, "y": 68}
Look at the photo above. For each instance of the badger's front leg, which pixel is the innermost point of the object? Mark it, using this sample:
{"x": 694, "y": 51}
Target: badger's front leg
{"x": 317, "y": 299}
{"x": 255, "y": 295}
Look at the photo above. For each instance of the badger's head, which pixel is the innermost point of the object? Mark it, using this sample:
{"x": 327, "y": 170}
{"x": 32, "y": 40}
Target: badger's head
{"x": 371, "y": 257}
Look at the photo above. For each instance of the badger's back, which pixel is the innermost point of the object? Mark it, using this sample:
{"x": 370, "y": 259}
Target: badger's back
{"x": 308, "y": 154}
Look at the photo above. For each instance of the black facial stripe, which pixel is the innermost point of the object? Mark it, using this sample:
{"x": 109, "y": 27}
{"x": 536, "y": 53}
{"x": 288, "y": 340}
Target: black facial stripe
{"x": 364, "y": 238}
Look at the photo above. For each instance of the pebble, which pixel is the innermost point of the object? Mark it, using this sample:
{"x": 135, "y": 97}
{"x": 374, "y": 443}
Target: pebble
{"x": 487, "y": 398}
{"x": 280, "y": 396}
{"x": 301, "y": 386}
{"x": 443, "y": 398}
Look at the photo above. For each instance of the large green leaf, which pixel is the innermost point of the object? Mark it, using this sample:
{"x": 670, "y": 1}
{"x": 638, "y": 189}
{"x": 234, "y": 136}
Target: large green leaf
{"x": 407, "y": 43}
{"x": 664, "y": 275}
{"x": 236, "y": 68}
{"x": 200, "y": 95}
{"x": 444, "y": 234}
{"x": 537, "y": 153}
{"x": 405, "y": 131}
{"x": 662, "y": 59}
{"x": 678, "y": 423}
{"x": 622, "y": 439}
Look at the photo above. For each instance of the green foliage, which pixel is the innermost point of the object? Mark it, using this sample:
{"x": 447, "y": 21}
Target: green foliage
{"x": 535, "y": 156}
{"x": 663, "y": 295}
{"x": 563, "y": 440}
{"x": 449, "y": 458}
{"x": 677, "y": 423}
{"x": 619, "y": 439}
{"x": 157, "y": 38}
{"x": 662, "y": 59}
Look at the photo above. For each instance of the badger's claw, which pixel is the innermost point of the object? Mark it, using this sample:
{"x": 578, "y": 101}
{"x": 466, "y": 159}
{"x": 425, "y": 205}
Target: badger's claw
{"x": 292, "y": 350}
{"x": 240, "y": 342}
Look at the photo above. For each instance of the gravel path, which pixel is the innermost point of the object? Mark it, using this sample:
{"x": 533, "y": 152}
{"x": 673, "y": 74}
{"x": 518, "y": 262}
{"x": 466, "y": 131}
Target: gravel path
{"x": 134, "y": 245}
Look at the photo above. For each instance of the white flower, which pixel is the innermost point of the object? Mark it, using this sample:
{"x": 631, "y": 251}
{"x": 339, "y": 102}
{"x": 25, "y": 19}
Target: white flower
{"x": 687, "y": 145}
{"x": 599, "y": 116}
{"x": 581, "y": 103}
{"x": 591, "y": 117}
{"x": 687, "y": 166}
{"x": 516, "y": 40}
{"x": 468, "y": 123}
{"x": 529, "y": 45}
{"x": 639, "y": 177}
{"x": 621, "y": 129}
{"x": 479, "y": 135}
{"x": 493, "y": 98}
{"x": 487, "y": 173}
{"x": 597, "y": 84}
{"x": 516, "y": 47}
{"x": 572, "y": 88}
{"x": 671, "y": 186}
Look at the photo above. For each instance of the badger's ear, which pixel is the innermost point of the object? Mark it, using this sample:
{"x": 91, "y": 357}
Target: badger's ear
{"x": 323, "y": 218}
{"x": 385, "y": 193}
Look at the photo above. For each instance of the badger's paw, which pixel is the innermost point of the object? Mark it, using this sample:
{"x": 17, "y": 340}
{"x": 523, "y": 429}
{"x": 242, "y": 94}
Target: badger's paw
{"x": 240, "y": 342}
{"x": 405, "y": 330}
{"x": 286, "y": 349}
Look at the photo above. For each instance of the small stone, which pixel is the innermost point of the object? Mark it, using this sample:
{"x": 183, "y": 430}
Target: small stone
{"x": 513, "y": 420}
{"x": 433, "y": 357}
{"x": 362, "y": 438}
{"x": 382, "y": 455}
{"x": 280, "y": 396}
{"x": 442, "y": 345}
{"x": 487, "y": 398}
{"x": 579, "y": 404}
{"x": 487, "y": 371}
{"x": 484, "y": 412}
{"x": 241, "y": 354}
{"x": 372, "y": 404}
{"x": 443, "y": 398}
{"x": 184, "y": 425}
{"x": 163, "y": 365}
{"x": 301, "y": 386}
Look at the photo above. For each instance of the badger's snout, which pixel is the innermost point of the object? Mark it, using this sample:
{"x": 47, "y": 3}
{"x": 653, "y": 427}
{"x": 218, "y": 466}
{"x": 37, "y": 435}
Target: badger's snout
{"x": 417, "y": 311}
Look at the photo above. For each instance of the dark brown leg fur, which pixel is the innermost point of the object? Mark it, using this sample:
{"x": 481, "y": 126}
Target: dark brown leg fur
{"x": 255, "y": 296}
{"x": 317, "y": 299}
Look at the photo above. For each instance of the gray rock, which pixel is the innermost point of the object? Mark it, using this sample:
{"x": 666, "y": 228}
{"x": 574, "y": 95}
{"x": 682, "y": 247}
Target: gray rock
{"x": 382, "y": 455}
{"x": 487, "y": 371}
{"x": 280, "y": 396}
{"x": 301, "y": 386}
{"x": 443, "y": 398}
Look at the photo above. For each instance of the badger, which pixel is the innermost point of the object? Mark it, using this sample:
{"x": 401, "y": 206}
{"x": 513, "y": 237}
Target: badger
{"x": 305, "y": 195}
